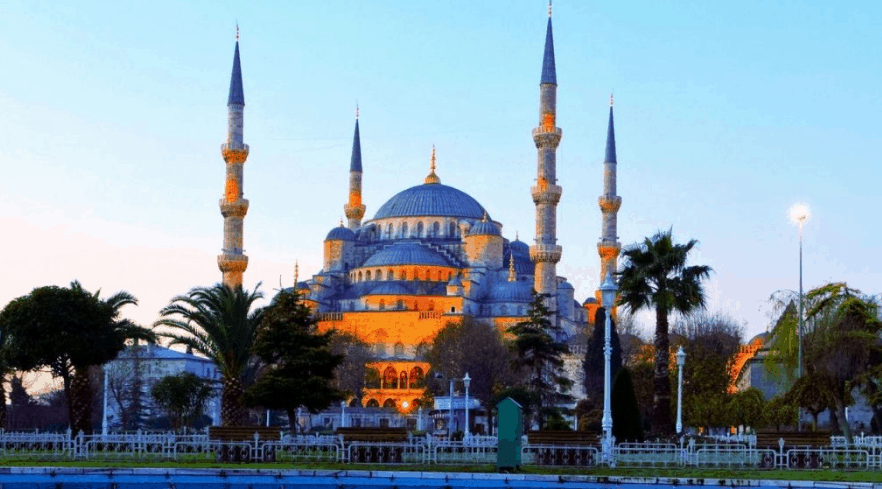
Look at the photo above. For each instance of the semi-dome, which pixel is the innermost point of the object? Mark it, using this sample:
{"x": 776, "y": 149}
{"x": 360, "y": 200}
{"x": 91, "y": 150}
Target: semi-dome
{"x": 511, "y": 292}
{"x": 431, "y": 199}
{"x": 341, "y": 233}
{"x": 393, "y": 288}
{"x": 406, "y": 254}
{"x": 486, "y": 228}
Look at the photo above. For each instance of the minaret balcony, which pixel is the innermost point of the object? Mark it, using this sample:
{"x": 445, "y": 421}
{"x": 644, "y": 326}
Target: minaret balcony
{"x": 546, "y": 193}
{"x": 547, "y": 136}
{"x": 234, "y": 154}
{"x": 609, "y": 203}
{"x": 610, "y": 247}
{"x": 232, "y": 262}
{"x": 546, "y": 253}
{"x": 236, "y": 208}
{"x": 354, "y": 211}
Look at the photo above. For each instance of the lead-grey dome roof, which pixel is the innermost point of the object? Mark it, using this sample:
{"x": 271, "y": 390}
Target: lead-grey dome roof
{"x": 340, "y": 233}
{"x": 431, "y": 199}
{"x": 406, "y": 254}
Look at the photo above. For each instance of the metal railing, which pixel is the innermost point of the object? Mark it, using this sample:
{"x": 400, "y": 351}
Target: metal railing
{"x": 864, "y": 454}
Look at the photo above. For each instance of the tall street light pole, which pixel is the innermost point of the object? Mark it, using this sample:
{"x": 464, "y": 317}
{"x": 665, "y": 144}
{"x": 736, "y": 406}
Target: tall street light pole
{"x": 799, "y": 213}
{"x": 681, "y": 360}
{"x": 466, "y": 381}
{"x": 608, "y": 295}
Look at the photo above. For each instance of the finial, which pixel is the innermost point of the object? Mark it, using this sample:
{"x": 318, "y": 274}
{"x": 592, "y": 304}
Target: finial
{"x": 549, "y": 9}
{"x": 237, "y": 32}
{"x": 485, "y": 219}
{"x": 517, "y": 236}
{"x": 341, "y": 222}
{"x": 356, "y": 110}
{"x": 432, "y": 178}
{"x": 296, "y": 273}
{"x": 610, "y": 99}
{"x": 511, "y": 269}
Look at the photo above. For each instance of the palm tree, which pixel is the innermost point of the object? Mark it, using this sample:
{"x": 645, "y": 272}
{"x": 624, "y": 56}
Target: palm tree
{"x": 219, "y": 323}
{"x": 113, "y": 335}
{"x": 655, "y": 275}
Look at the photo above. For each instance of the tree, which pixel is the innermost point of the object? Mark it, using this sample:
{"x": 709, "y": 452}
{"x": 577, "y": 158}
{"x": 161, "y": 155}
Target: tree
{"x": 539, "y": 354}
{"x": 182, "y": 397}
{"x": 813, "y": 393}
{"x": 299, "y": 363}
{"x": 21, "y": 406}
{"x": 469, "y": 346}
{"x": 747, "y": 408}
{"x": 843, "y": 342}
{"x": 781, "y": 362}
{"x": 627, "y": 420}
{"x": 593, "y": 364}
{"x": 219, "y": 323}
{"x": 780, "y": 412}
{"x": 655, "y": 275}
{"x": 125, "y": 385}
{"x": 351, "y": 375}
{"x": 68, "y": 330}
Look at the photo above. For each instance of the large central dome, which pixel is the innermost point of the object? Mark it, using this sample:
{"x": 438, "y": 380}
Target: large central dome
{"x": 431, "y": 199}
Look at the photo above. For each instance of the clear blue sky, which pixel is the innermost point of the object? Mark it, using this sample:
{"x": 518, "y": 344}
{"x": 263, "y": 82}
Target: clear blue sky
{"x": 726, "y": 114}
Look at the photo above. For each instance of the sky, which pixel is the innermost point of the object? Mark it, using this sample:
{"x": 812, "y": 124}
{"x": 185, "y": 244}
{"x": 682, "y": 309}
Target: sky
{"x": 726, "y": 115}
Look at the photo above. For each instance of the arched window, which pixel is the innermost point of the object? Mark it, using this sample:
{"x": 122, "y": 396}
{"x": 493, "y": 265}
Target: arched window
{"x": 431, "y": 305}
{"x": 382, "y": 304}
{"x": 436, "y": 229}
{"x": 417, "y": 378}
{"x": 400, "y": 304}
{"x": 390, "y": 378}
{"x": 402, "y": 380}
{"x": 451, "y": 229}
{"x": 403, "y": 229}
{"x": 390, "y": 403}
{"x": 367, "y": 275}
{"x": 399, "y": 350}
{"x": 416, "y": 305}
{"x": 503, "y": 311}
{"x": 359, "y": 276}
{"x": 520, "y": 311}
{"x": 373, "y": 403}
{"x": 420, "y": 229}
{"x": 379, "y": 274}
{"x": 389, "y": 231}
{"x": 354, "y": 402}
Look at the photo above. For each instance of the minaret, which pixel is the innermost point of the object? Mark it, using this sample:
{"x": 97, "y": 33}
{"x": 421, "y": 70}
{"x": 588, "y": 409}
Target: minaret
{"x": 545, "y": 253}
{"x": 608, "y": 247}
{"x": 354, "y": 209}
{"x": 233, "y": 262}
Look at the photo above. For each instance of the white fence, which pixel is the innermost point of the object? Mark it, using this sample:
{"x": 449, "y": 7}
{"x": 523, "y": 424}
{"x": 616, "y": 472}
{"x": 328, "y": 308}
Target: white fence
{"x": 865, "y": 453}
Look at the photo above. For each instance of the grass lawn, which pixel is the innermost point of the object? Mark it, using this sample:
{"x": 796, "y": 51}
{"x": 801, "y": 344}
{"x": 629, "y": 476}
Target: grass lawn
{"x": 711, "y": 475}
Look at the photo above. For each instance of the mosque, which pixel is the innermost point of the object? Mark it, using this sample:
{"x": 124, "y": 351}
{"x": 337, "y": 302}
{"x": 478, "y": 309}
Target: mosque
{"x": 431, "y": 254}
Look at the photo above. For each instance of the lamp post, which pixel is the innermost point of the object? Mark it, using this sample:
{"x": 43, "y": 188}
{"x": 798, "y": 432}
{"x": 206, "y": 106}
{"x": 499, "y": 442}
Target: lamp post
{"x": 681, "y": 360}
{"x": 799, "y": 213}
{"x": 466, "y": 381}
{"x": 342, "y": 414}
{"x": 608, "y": 295}
{"x": 450, "y": 414}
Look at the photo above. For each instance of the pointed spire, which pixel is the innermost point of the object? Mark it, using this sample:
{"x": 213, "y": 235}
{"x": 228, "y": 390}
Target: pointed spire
{"x": 610, "y": 136}
{"x": 355, "y": 162}
{"x": 512, "y": 276}
{"x": 549, "y": 73}
{"x": 237, "y": 95}
{"x": 432, "y": 178}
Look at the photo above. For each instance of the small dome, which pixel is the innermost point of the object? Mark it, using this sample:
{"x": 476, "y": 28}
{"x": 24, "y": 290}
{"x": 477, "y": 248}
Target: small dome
{"x": 519, "y": 247}
{"x": 511, "y": 292}
{"x": 484, "y": 227}
{"x": 340, "y": 233}
{"x": 406, "y": 254}
{"x": 565, "y": 286}
{"x": 392, "y": 288}
{"x": 590, "y": 300}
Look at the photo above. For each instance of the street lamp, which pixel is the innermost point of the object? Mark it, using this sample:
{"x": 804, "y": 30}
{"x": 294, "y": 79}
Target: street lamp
{"x": 608, "y": 296}
{"x": 466, "y": 381}
{"x": 799, "y": 213}
{"x": 681, "y": 360}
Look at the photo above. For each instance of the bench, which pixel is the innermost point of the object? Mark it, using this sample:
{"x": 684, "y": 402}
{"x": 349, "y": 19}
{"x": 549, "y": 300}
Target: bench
{"x": 374, "y": 438}
{"x": 808, "y": 440}
{"x": 564, "y": 447}
{"x": 227, "y": 435}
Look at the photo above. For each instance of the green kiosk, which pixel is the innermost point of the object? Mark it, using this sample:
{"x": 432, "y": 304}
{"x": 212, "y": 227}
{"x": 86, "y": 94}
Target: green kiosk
{"x": 510, "y": 429}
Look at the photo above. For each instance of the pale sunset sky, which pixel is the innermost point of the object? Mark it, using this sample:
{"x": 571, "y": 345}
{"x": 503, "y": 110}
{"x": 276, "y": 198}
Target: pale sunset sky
{"x": 726, "y": 115}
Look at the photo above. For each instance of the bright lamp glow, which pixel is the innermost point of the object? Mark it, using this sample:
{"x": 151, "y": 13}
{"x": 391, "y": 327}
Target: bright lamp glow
{"x": 405, "y": 404}
{"x": 799, "y": 213}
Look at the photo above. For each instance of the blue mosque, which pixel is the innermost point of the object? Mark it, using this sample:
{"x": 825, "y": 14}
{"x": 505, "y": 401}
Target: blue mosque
{"x": 431, "y": 254}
